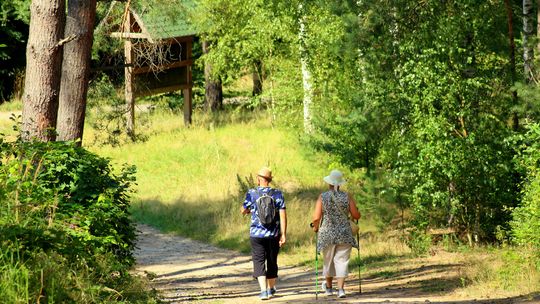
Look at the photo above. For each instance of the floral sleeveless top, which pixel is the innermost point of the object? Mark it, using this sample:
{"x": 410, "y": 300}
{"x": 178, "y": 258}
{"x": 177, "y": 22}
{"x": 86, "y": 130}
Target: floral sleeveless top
{"x": 335, "y": 228}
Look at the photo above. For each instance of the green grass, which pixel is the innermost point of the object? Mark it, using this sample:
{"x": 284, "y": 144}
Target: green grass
{"x": 11, "y": 106}
{"x": 500, "y": 272}
{"x": 14, "y": 279}
{"x": 190, "y": 179}
{"x": 9, "y": 113}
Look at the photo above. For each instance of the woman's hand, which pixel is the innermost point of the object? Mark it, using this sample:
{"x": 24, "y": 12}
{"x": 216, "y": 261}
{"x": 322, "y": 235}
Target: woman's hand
{"x": 315, "y": 226}
{"x": 282, "y": 240}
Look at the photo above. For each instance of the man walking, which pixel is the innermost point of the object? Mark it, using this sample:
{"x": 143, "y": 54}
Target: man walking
{"x": 267, "y": 231}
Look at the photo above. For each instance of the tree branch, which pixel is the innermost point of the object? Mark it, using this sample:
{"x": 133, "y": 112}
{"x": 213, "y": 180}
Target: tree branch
{"x": 63, "y": 41}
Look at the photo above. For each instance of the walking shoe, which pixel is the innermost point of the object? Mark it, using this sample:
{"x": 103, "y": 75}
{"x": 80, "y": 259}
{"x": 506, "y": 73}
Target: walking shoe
{"x": 271, "y": 292}
{"x": 341, "y": 293}
{"x": 327, "y": 291}
{"x": 263, "y": 295}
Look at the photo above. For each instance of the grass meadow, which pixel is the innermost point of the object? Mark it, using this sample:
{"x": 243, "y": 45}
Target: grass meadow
{"x": 192, "y": 181}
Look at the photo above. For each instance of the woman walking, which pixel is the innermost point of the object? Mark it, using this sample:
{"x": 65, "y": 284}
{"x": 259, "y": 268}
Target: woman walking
{"x": 335, "y": 239}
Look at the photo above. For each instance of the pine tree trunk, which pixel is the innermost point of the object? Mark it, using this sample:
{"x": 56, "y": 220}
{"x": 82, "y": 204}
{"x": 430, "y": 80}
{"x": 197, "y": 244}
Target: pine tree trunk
{"x": 43, "y": 70}
{"x": 528, "y": 38}
{"x": 75, "y": 69}
{"x": 213, "y": 86}
{"x": 538, "y": 26}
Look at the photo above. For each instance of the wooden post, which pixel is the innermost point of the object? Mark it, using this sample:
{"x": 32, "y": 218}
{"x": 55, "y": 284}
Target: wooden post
{"x": 188, "y": 92}
{"x": 128, "y": 72}
{"x": 187, "y": 107}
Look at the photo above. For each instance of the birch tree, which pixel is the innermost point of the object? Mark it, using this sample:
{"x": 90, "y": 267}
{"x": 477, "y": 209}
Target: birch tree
{"x": 306, "y": 74}
{"x": 528, "y": 37}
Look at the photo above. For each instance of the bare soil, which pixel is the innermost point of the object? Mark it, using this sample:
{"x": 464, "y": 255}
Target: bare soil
{"x": 187, "y": 271}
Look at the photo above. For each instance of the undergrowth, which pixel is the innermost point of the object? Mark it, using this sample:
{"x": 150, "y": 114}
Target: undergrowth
{"x": 65, "y": 231}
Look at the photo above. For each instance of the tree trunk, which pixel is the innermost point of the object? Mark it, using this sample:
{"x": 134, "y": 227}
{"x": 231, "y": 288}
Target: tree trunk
{"x": 528, "y": 31}
{"x": 75, "y": 69}
{"x": 43, "y": 69}
{"x": 257, "y": 79}
{"x": 306, "y": 76}
{"x": 212, "y": 85}
{"x": 538, "y": 26}
{"x": 510, "y": 21}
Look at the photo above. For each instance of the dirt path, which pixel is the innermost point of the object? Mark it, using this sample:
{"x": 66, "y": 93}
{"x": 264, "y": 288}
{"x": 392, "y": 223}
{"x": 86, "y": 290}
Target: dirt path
{"x": 186, "y": 271}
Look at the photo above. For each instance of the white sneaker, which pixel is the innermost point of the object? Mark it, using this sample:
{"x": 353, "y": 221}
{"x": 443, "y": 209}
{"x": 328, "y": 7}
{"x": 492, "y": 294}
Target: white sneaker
{"x": 341, "y": 293}
{"x": 327, "y": 291}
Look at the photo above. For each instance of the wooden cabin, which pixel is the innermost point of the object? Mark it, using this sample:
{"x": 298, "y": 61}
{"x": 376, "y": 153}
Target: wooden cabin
{"x": 154, "y": 30}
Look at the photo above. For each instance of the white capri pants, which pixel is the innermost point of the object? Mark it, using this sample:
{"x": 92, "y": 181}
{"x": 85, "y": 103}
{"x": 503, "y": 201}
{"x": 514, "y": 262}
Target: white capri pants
{"x": 336, "y": 260}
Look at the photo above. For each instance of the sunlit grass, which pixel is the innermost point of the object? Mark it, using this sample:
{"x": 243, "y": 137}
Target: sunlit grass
{"x": 202, "y": 162}
{"x": 188, "y": 177}
{"x": 9, "y": 113}
{"x": 11, "y": 106}
{"x": 499, "y": 273}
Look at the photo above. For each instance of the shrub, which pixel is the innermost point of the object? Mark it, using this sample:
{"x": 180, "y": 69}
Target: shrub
{"x": 419, "y": 242}
{"x": 64, "y": 222}
{"x": 526, "y": 217}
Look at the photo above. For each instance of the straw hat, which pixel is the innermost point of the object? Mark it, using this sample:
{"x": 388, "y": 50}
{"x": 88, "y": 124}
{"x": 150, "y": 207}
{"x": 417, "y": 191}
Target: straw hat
{"x": 335, "y": 178}
{"x": 266, "y": 173}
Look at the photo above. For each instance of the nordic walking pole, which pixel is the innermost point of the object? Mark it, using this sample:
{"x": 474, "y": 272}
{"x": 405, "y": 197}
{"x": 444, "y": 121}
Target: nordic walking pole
{"x": 359, "y": 261}
{"x": 316, "y": 266}
{"x": 316, "y": 271}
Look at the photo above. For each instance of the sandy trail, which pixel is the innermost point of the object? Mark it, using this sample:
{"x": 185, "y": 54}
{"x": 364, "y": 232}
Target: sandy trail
{"x": 187, "y": 271}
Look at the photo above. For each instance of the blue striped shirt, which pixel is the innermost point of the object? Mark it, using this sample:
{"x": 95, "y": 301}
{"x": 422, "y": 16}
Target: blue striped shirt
{"x": 257, "y": 229}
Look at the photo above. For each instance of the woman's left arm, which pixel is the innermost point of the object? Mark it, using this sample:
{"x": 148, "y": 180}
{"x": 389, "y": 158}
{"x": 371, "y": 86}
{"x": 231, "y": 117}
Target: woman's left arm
{"x": 317, "y": 214}
{"x": 352, "y": 208}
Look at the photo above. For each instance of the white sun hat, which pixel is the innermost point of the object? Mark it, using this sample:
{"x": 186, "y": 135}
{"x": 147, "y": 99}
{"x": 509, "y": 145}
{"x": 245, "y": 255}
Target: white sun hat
{"x": 335, "y": 178}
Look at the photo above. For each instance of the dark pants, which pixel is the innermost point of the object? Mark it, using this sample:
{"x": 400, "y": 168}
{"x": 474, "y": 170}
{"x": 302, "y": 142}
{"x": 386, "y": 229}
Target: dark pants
{"x": 264, "y": 252}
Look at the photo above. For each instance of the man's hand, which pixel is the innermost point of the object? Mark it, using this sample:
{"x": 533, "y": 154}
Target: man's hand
{"x": 245, "y": 211}
{"x": 282, "y": 240}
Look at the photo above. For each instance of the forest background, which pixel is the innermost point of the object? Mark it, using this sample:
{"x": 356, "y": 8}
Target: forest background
{"x": 431, "y": 106}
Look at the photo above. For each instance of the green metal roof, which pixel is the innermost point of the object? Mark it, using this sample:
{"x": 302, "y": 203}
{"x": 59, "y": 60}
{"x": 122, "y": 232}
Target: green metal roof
{"x": 163, "y": 19}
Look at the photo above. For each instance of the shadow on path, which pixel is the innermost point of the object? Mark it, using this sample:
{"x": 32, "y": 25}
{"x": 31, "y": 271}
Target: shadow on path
{"x": 187, "y": 271}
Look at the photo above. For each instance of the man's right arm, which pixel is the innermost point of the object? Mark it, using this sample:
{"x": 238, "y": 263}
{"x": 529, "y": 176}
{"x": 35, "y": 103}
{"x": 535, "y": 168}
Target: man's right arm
{"x": 245, "y": 209}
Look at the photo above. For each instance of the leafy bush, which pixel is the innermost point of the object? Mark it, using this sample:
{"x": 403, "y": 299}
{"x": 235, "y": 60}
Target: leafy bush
{"x": 526, "y": 217}
{"x": 419, "y": 242}
{"x": 65, "y": 232}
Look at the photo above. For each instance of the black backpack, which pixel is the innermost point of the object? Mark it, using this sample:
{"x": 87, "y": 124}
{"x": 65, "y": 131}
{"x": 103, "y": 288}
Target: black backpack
{"x": 266, "y": 208}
